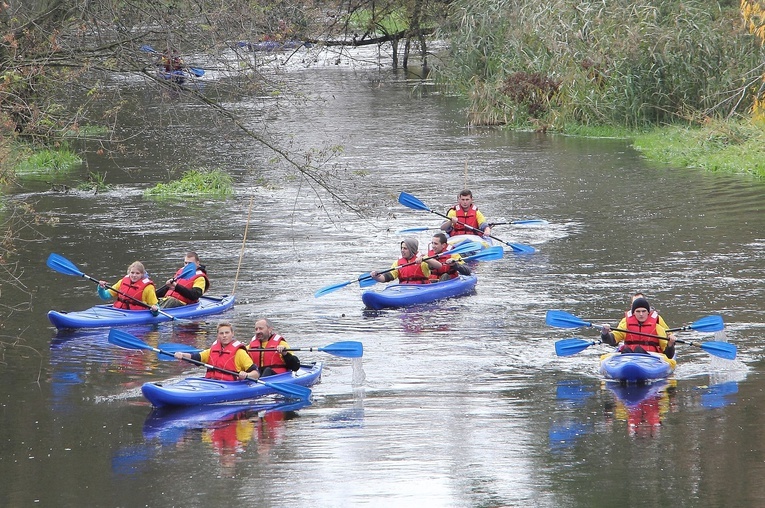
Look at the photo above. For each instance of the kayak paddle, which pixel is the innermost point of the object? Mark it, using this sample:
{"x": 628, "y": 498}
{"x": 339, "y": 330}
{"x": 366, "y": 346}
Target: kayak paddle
{"x": 412, "y": 202}
{"x": 525, "y": 222}
{"x": 188, "y": 271}
{"x": 561, "y": 319}
{"x": 363, "y": 279}
{"x": 128, "y": 341}
{"x": 343, "y": 349}
{"x": 193, "y": 70}
{"x": 568, "y": 347}
{"x": 705, "y": 324}
{"x": 63, "y": 265}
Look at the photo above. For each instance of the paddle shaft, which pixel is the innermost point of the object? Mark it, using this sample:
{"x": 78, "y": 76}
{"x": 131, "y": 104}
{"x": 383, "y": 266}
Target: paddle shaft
{"x": 407, "y": 264}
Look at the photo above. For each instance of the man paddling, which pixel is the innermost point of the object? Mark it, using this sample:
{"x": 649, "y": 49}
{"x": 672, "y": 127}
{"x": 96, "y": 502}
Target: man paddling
{"x": 451, "y": 266}
{"x": 643, "y": 323}
{"x": 465, "y": 218}
{"x": 178, "y": 292}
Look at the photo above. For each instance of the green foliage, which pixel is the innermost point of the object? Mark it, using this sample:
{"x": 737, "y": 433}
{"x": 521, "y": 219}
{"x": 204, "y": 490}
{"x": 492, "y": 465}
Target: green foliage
{"x": 195, "y": 183}
{"x": 733, "y": 147}
{"x": 95, "y": 183}
{"x": 49, "y": 161}
{"x": 617, "y": 63}
{"x": 374, "y": 21}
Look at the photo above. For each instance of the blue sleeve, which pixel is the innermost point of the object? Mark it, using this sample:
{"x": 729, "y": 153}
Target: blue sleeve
{"x": 105, "y": 294}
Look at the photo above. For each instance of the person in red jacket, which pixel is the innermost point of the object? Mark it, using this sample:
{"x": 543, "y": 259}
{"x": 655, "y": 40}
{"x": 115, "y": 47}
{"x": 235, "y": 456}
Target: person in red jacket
{"x": 225, "y": 353}
{"x": 179, "y": 292}
{"x": 130, "y": 290}
{"x": 410, "y": 267}
{"x": 465, "y": 218}
{"x": 451, "y": 266}
{"x": 269, "y": 350}
{"x": 643, "y": 322}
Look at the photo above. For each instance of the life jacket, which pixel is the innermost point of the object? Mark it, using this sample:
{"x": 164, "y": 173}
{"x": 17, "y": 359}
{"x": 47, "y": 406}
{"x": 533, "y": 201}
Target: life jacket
{"x": 435, "y": 275}
{"x": 271, "y": 359}
{"x": 188, "y": 284}
{"x": 468, "y": 217}
{"x": 411, "y": 274}
{"x": 653, "y": 313}
{"x": 132, "y": 289}
{"x": 631, "y": 340}
{"x": 223, "y": 358}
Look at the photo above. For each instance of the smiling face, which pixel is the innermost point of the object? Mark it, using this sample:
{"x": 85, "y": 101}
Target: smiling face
{"x": 262, "y": 330}
{"x": 438, "y": 247}
{"x": 405, "y": 252}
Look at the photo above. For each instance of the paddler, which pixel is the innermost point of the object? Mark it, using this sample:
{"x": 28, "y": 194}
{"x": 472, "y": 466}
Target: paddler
{"x": 644, "y": 322}
{"x": 465, "y": 218}
{"x": 409, "y": 268}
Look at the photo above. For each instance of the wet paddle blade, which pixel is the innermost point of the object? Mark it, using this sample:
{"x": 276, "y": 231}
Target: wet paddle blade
{"x": 520, "y": 248}
{"x": 289, "y": 390}
{"x": 561, "y": 319}
{"x": 722, "y": 349}
{"x": 490, "y": 254}
{"x": 127, "y": 341}
{"x": 568, "y": 347}
{"x": 62, "y": 265}
{"x": 412, "y": 202}
{"x": 366, "y": 280}
{"x": 708, "y": 324}
{"x": 414, "y": 230}
{"x": 334, "y": 287}
{"x": 529, "y": 222}
{"x": 148, "y": 49}
{"x": 188, "y": 271}
{"x": 344, "y": 349}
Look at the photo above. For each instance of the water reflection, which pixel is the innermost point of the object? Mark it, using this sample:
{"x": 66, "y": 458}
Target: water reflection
{"x": 642, "y": 407}
{"x": 229, "y": 430}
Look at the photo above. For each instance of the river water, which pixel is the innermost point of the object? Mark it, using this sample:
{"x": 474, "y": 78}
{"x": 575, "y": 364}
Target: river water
{"x": 458, "y": 403}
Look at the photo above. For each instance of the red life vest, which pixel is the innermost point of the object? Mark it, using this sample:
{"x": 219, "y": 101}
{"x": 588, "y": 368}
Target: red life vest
{"x": 468, "y": 217}
{"x": 445, "y": 268}
{"x": 223, "y": 358}
{"x": 271, "y": 359}
{"x": 132, "y": 289}
{"x": 411, "y": 274}
{"x": 631, "y": 340}
{"x": 188, "y": 284}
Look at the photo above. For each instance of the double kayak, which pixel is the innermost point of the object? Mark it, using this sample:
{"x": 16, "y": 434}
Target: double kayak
{"x": 108, "y": 315}
{"x": 636, "y": 367}
{"x": 405, "y": 295}
{"x": 194, "y": 391}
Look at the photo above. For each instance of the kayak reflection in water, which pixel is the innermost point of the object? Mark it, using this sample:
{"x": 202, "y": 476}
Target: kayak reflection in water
{"x": 410, "y": 268}
{"x": 643, "y": 407}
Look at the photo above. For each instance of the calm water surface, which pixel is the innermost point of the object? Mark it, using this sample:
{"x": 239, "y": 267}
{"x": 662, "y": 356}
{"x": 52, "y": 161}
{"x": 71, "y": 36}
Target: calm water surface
{"x": 459, "y": 403}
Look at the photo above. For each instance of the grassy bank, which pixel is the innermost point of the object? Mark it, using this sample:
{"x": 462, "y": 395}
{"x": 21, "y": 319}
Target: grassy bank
{"x": 730, "y": 147}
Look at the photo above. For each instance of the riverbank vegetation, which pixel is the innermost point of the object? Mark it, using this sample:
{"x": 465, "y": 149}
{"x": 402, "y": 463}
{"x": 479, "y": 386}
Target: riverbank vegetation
{"x": 568, "y": 67}
{"x": 195, "y": 183}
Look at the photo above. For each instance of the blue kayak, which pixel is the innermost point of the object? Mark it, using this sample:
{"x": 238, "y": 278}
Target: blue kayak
{"x": 178, "y": 76}
{"x": 107, "y": 315}
{"x": 194, "y": 391}
{"x": 636, "y": 367}
{"x": 404, "y": 295}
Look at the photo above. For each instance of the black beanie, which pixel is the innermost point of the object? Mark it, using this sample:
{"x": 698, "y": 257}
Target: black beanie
{"x": 640, "y": 303}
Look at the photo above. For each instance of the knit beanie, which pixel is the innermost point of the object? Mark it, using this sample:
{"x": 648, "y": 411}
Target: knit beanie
{"x": 412, "y": 244}
{"x": 640, "y": 303}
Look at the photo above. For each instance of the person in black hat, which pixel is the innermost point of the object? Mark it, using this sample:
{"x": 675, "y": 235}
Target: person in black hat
{"x": 652, "y": 310}
{"x": 648, "y": 337}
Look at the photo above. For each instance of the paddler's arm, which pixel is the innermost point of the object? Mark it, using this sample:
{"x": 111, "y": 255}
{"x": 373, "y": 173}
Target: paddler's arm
{"x": 667, "y": 344}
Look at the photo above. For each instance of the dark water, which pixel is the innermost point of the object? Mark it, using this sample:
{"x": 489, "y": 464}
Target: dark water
{"x": 459, "y": 403}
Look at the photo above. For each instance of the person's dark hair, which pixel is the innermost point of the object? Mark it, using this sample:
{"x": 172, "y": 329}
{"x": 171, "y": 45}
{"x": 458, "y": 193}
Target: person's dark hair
{"x": 192, "y": 254}
{"x": 466, "y": 192}
{"x": 441, "y": 237}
